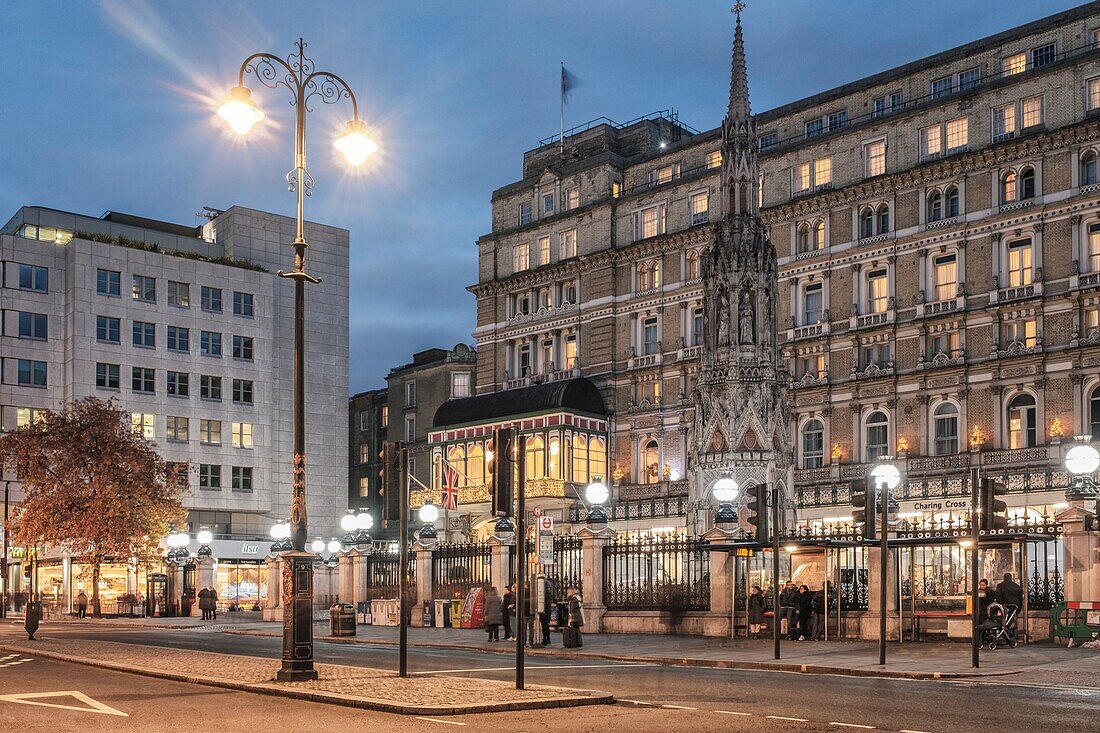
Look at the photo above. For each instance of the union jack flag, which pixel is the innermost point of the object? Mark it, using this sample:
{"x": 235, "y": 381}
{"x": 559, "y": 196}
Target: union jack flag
{"x": 450, "y": 487}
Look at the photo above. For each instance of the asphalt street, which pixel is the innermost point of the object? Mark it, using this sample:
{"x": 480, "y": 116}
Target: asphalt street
{"x": 651, "y": 697}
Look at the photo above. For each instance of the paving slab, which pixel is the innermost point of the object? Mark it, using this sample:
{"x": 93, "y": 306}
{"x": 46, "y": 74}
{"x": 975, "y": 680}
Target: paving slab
{"x": 357, "y": 687}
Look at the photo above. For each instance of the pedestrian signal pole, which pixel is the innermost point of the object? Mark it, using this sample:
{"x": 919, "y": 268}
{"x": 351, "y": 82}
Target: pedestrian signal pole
{"x": 403, "y": 560}
{"x": 775, "y": 567}
{"x": 521, "y": 555}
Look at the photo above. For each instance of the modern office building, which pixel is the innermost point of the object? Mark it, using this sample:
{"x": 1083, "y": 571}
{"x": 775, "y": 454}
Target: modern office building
{"x": 938, "y": 247}
{"x": 191, "y": 331}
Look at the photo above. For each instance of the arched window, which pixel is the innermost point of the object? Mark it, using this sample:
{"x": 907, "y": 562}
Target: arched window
{"x": 1027, "y": 184}
{"x": 692, "y": 268}
{"x": 1094, "y": 413}
{"x": 655, "y": 274}
{"x": 866, "y": 222}
{"x": 643, "y": 277}
{"x": 883, "y": 215}
{"x": 475, "y": 465}
{"x": 456, "y": 456}
{"x": 650, "y": 469}
{"x": 952, "y": 196}
{"x": 536, "y": 454}
{"x": 813, "y": 444}
{"x": 553, "y": 461}
{"x": 1008, "y": 187}
{"x": 580, "y": 459}
{"x": 935, "y": 206}
{"x": 437, "y": 469}
{"x": 876, "y": 436}
{"x": 945, "y": 427}
{"x": 597, "y": 458}
{"x": 1021, "y": 422}
{"x": 819, "y": 234}
{"x": 1089, "y": 168}
{"x": 803, "y": 238}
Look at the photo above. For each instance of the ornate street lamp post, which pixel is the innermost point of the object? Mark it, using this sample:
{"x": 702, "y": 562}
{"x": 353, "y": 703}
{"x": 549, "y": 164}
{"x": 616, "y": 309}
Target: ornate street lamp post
{"x": 725, "y": 490}
{"x": 886, "y": 478}
{"x": 298, "y": 74}
{"x": 596, "y": 494}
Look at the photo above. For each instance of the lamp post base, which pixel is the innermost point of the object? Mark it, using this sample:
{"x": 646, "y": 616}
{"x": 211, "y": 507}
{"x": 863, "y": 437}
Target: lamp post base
{"x": 297, "y": 661}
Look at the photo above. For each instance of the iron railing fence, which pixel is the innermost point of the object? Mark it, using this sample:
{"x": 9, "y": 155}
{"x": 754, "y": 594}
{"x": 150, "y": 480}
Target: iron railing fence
{"x": 456, "y": 568}
{"x": 656, "y": 574}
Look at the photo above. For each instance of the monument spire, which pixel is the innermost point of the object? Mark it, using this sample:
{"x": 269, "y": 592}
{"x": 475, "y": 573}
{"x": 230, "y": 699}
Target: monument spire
{"x": 739, "y": 133}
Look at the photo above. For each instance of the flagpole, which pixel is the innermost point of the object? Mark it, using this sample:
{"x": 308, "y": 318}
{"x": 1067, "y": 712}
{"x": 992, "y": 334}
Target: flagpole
{"x": 561, "y": 136}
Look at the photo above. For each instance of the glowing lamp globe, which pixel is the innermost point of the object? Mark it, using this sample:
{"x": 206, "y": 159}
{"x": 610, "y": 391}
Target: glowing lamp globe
{"x": 596, "y": 492}
{"x": 318, "y": 545}
{"x": 333, "y": 545}
{"x": 428, "y": 513}
{"x": 725, "y": 489}
{"x": 354, "y": 143}
{"x": 347, "y": 522}
{"x": 364, "y": 521}
{"x": 276, "y": 531}
{"x": 240, "y": 111}
{"x": 886, "y": 473}
{"x": 1082, "y": 459}
{"x": 205, "y": 537}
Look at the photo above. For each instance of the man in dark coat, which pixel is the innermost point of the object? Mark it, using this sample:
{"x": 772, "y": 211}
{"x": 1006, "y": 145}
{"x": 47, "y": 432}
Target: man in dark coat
{"x": 544, "y": 611}
{"x": 1009, "y": 592}
{"x": 509, "y": 603}
{"x": 204, "y": 603}
{"x": 788, "y": 609}
{"x": 805, "y": 612}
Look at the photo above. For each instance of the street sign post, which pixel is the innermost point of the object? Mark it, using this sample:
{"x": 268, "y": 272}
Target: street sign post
{"x": 546, "y": 541}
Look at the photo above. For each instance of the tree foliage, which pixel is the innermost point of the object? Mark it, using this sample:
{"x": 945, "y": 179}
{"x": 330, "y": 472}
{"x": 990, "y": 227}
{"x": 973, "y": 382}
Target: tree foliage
{"x": 92, "y": 485}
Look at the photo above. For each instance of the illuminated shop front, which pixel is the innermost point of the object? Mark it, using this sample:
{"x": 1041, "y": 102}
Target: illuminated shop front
{"x": 566, "y": 430}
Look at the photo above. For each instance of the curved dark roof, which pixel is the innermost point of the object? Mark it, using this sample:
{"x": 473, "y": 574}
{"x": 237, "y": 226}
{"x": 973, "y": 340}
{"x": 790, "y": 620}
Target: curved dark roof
{"x": 578, "y": 395}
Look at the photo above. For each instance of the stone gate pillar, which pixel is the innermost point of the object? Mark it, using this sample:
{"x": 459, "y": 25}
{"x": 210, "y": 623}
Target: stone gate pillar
{"x": 594, "y": 539}
{"x": 719, "y": 621}
{"x": 422, "y": 560}
{"x": 273, "y": 608}
{"x": 1081, "y": 553}
{"x": 869, "y": 624}
{"x": 501, "y": 571}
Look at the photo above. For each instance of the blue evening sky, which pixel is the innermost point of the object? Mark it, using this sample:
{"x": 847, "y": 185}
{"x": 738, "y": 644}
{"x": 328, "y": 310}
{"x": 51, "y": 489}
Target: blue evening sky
{"x": 109, "y": 105}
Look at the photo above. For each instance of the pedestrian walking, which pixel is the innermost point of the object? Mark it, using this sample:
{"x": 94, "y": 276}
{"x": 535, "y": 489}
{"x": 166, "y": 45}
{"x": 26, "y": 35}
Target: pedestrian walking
{"x": 81, "y": 604}
{"x": 805, "y": 612}
{"x": 571, "y": 637}
{"x": 756, "y": 611}
{"x": 817, "y": 622}
{"x": 204, "y": 603}
{"x": 509, "y": 603}
{"x": 494, "y": 613}
{"x": 788, "y": 610}
{"x": 544, "y": 611}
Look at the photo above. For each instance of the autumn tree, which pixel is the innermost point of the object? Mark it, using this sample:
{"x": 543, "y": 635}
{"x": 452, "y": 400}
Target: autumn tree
{"x": 92, "y": 485}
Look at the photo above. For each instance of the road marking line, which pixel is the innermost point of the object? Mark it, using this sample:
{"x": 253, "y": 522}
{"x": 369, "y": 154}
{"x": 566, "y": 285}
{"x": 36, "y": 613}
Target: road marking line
{"x": 94, "y": 706}
{"x": 678, "y": 707}
{"x": 903, "y": 730}
{"x": 780, "y": 717}
{"x": 437, "y": 720}
{"x": 732, "y": 712}
{"x": 637, "y": 702}
{"x": 854, "y": 725}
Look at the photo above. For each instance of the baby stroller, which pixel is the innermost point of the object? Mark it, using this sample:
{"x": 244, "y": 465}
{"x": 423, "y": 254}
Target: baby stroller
{"x": 999, "y": 628}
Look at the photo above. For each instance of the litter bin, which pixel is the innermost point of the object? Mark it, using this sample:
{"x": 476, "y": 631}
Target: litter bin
{"x": 342, "y": 619}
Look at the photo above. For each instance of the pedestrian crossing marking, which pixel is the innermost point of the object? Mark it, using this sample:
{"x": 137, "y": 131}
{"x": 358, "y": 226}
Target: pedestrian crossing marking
{"x": 93, "y": 706}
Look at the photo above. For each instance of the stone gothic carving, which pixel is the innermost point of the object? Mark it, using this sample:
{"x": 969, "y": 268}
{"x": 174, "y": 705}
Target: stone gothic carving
{"x": 740, "y": 396}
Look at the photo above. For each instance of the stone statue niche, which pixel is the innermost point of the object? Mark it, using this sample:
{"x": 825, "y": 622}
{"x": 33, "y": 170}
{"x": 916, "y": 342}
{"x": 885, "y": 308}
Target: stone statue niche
{"x": 746, "y": 320}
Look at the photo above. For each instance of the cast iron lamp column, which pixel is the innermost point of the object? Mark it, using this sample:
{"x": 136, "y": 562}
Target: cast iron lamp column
{"x": 297, "y": 73}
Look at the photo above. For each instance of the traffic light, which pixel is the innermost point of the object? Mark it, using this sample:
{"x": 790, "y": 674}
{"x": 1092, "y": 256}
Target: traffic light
{"x": 391, "y": 480}
{"x": 503, "y": 470}
{"x": 863, "y": 503}
{"x": 757, "y": 511}
{"x": 994, "y": 516}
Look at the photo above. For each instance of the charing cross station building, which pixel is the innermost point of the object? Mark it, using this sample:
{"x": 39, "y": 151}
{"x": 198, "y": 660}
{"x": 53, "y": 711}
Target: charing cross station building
{"x": 905, "y": 266}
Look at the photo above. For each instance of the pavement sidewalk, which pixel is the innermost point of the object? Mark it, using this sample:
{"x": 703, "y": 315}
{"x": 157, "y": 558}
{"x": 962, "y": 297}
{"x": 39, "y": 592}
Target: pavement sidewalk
{"x": 923, "y": 660}
{"x": 358, "y": 687}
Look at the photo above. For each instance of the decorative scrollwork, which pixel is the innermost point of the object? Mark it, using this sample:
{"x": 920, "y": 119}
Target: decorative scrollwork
{"x": 329, "y": 87}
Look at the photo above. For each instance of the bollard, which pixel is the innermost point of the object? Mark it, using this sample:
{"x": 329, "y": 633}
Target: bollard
{"x": 34, "y": 618}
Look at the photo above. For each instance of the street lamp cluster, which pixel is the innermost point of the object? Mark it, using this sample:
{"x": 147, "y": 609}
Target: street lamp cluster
{"x": 177, "y": 546}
